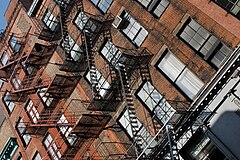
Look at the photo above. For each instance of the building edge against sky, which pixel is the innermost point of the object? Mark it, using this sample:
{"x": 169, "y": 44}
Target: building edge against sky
{"x": 112, "y": 79}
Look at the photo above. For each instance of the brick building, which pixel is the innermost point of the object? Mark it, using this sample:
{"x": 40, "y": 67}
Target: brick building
{"x": 113, "y": 79}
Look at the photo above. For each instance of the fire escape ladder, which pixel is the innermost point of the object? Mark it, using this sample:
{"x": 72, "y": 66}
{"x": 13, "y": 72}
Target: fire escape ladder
{"x": 107, "y": 26}
{"x": 91, "y": 63}
{"x": 128, "y": 98}
{"x": 115, "y": 84}
{"x": 145, "y": 72}
{"x": 79, "y": 4}
{"x": 64, "y": 28}
{"x": 172, "y": 143}
{"x": 157, "y": 127}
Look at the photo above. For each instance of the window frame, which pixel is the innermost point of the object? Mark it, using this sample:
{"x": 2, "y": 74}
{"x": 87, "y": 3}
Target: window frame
{"x": 32, "y": 111}
{"x": 74, "y": 53}
{"x": 66, "y": 130}
{"x": 49, "y": 17}
{"x": 7, "y": 104}
{"x": 4, "y": 59}
{"x": 155, "y": 109}
{"x": 114, "y": 56}
{"x": 51, "y": 148}
{"x": 19, "y": 156}
{"x": 37, "y": 155}
{"x": 126, "y": 131}
{"x": 153, "y": 5}
{"x": 136, "y": 27}
{"x": 100, "y": 84}
{"x": 182, "y": 71}
{"x": 45, "y": 97}
{"x": 16, "y": 82}
{"x": 215, "y": 44}
{"x": 229, "y": 10}
{"x": 35, "y": 6}
{"x": 101, "y": 2}
{"x": 1, "y": 83}
{"x": 82, "y": 24}
{"x": 14, "y": 44}
{"x": 145, "y": 139}
{"x": 24, "y": 135}
{"x": 200, "y": 140}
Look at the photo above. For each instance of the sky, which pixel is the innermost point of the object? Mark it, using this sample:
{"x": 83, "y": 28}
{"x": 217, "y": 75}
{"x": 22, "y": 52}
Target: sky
{"x": 3, "y": 7}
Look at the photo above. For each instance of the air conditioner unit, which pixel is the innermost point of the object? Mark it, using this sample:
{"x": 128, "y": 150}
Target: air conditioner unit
{"x": 117, "y": 22}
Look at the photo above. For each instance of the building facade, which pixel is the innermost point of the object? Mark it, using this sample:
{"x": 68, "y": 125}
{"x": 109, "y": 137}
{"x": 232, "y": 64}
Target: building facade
{"x": 113, "y": 79}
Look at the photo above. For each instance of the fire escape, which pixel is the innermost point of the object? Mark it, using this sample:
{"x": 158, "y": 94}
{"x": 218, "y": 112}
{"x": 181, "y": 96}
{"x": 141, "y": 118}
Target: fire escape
{"x": 95, "y": 31}
{"x": 175, "y": 135}
{"x": 39, "y": 86}
{"x": 36, "y": 85}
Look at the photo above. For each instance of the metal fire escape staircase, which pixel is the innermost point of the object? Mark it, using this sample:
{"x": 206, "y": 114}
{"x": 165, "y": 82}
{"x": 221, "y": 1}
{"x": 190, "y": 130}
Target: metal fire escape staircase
{"x": 128, "y": 98}
{"x": 162, "y": 149}
{"x": 64, "y": 28}
{"x": 37, "y": 60}
{"x": 88, "y": 42}
{"x": 57, "y": 88}
{"x": 69, "y": 64}
{"x": 145, "y": 75}
{"x": 91, "y": 38}
{"x": 86, "y": 126}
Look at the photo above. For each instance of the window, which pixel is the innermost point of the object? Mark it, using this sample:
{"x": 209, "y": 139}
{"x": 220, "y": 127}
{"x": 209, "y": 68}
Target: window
{"x": 232, "y": 6}
{"x": 83, "y": 22}
{"x": 75, "y": 50}
{"x": 36, "y": 4}
{"x": 111, "y": 52}
{"x": 155, "y": 102}
{"x": 37, "y": 156}
{"x": 16, "y": 82}
{"x": 142, "y": 132}
{"x": 46, "y": 97}
{"x": 201, "y": 147}
{"x": 146, "y": 138}
{"x": 14, "y": 44}
{"x": 19, "y": 156}
{"x": 22, "y": 132}
{"x": 125, "y": 123}
{"x": 103, "y": 84}
{"x": 156, "y": 7}
{"x": 1, "y": 83}
{"x": 51, "y": 147}
{"x": 50, "y": 20}
{"x": 32, "y": 112}
{"x": 66, "y": 130}
{"x": 134, "y": 31}
{"x": 27, "y": 68}
{"x": 103, "y": 5}
{"x": 4, "y": 59}
{"x": 8, "y": 102}
{"x": 208, "y": 46}
{"x": 185, "y": 79}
